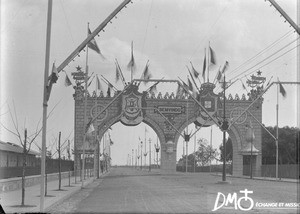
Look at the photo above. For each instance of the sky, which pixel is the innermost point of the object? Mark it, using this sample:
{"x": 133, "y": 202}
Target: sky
{"x": 250, "y": 35}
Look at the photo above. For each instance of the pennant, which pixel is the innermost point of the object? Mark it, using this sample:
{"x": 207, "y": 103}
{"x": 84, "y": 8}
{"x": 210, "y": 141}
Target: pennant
{"x": 131, "y": 65}
{"x": 110, "y": 86}
{"x": 282, "y": 90}
{"x": 212, "y": 56}
{"x": 67, "y": 81}
{"x": 225, "y": 67}
{"x": 196, "y": 73}
{"x": 93, "y": 45}
{"x": 204, "y": 66}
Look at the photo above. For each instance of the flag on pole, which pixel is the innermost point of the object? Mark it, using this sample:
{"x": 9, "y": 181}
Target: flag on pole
{"x": 212, "y": 56}
{"x": 54, "y": 74}
{"x": 98, "y": 84}
{"x": 225, "y": 67}
{"x": 190, "y": 85}
{"x": 204, "y": 66}
{"x": 219, "y": 76}
{"x": 90, "y": 127}
{"x": 153, "y": 88}
{"x": 93, "y": 45}
{"x": 196, "y": 73}
{"x": 146, "y": 74}
{"x": 131, "y": 65}
{"x": 117, "y": 73}
{"x": 109, "y": 88}
{"x": 244, "y": 87}
{"x": 282, "y": 90}
{"x": 67, "y": 81}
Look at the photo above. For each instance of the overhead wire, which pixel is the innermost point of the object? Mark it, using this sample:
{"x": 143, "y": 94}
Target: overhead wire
{"x": 260, "y": 52}
{"x": 268, "y": 58}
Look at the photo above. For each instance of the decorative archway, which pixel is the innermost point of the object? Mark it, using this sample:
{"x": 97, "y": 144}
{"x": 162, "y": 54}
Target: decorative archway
{"x": 168, "y": 116}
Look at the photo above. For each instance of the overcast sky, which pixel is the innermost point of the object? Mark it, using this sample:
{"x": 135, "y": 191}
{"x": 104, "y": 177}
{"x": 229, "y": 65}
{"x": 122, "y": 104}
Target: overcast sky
{"x": 168, "y": 33}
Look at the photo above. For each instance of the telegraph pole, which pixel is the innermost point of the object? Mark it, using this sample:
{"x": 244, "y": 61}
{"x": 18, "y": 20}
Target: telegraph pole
{"x": 45, "y": 105}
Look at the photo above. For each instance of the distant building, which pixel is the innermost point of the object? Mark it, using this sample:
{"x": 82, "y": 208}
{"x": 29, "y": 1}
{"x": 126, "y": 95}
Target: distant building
{"x": 11, "y": 155}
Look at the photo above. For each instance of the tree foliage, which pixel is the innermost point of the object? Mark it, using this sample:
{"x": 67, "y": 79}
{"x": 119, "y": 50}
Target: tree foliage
{"x": 288, "y": 145}
{"x": 228, "y": 144}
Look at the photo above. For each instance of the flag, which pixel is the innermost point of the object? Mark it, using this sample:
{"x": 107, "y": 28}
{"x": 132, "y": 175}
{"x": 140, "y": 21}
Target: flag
{"x": 131, "y": 65}
{"x": 146, "y": 74}
{"x": 67, "y": 81}
{"x": 54, "y": 74}
{"x": 282, "y": 90}
{"x": 244, "y": 87}
{"x": 51, "y": 79}
{"x": 117, "y": 73}
{"x": 196, "y": 74}
{"x": 90, "y": 127}
{"x": 219, "y": 76}
{"x": 98, "y": 84}
{"x": 109, "y": 87}
{"x": 204, "y": 65}
{"x": 225, "y": 67}
{"x": 153, "y": 89}
{"x": 93, "y": 45}
{"x": 190, "y": 85}
{"x": 212, "y": 56}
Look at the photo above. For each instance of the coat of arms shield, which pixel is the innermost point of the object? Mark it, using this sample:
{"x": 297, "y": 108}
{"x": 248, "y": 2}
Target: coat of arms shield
{"x": 131, "y": 109}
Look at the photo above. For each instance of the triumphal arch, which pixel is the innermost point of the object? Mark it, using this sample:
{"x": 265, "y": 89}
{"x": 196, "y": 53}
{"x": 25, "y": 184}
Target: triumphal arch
{"x": 169, "y": 114}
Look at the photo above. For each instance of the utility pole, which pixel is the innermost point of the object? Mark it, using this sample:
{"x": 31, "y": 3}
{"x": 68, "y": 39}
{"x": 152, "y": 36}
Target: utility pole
{"x": 59, "y": 163}
{"x": 45, "y": 105}
{"x": 149, "y": 154}
{"x": 224, "y": 127}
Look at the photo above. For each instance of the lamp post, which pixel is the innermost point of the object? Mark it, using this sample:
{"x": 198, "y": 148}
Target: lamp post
{"x": 141, "y": 155}
{"x": 157, "y": 151}
{"x": 249, "y": 139}
{"x": 149, "y": 154}
{"x": 132, "y": 159}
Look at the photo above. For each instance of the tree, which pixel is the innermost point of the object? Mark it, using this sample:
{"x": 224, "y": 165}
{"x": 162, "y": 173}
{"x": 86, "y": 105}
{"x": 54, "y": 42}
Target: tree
{"x": 288, "y": 145}
{"x": 25, "y": 141}
{"x": 205, "y": 153}
{"x": 228, "y": 145}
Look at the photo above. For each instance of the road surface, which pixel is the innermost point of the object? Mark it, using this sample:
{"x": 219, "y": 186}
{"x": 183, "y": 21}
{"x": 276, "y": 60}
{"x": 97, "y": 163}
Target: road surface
{"x": 127, "y": 190}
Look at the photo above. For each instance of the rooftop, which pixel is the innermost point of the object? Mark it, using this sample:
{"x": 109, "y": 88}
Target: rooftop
{"x": 11, "y": 147}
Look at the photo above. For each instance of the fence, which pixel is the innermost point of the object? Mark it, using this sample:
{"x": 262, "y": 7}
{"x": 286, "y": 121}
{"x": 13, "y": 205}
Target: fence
{"x": 284, "y": 171}
{"x": 51, "y": 167}
{"x": 213, "y": 168}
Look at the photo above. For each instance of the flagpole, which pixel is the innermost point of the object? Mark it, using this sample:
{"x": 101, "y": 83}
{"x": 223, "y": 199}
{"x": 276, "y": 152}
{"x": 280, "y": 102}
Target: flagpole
{"x": 85, "y": 107}
{"x": 277, "y": 106}
{"x": 208, "y": 60}
{"x": 95, "y": 134}
{"x": 187, "y": 132}
{"x": 45, "y": 105}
